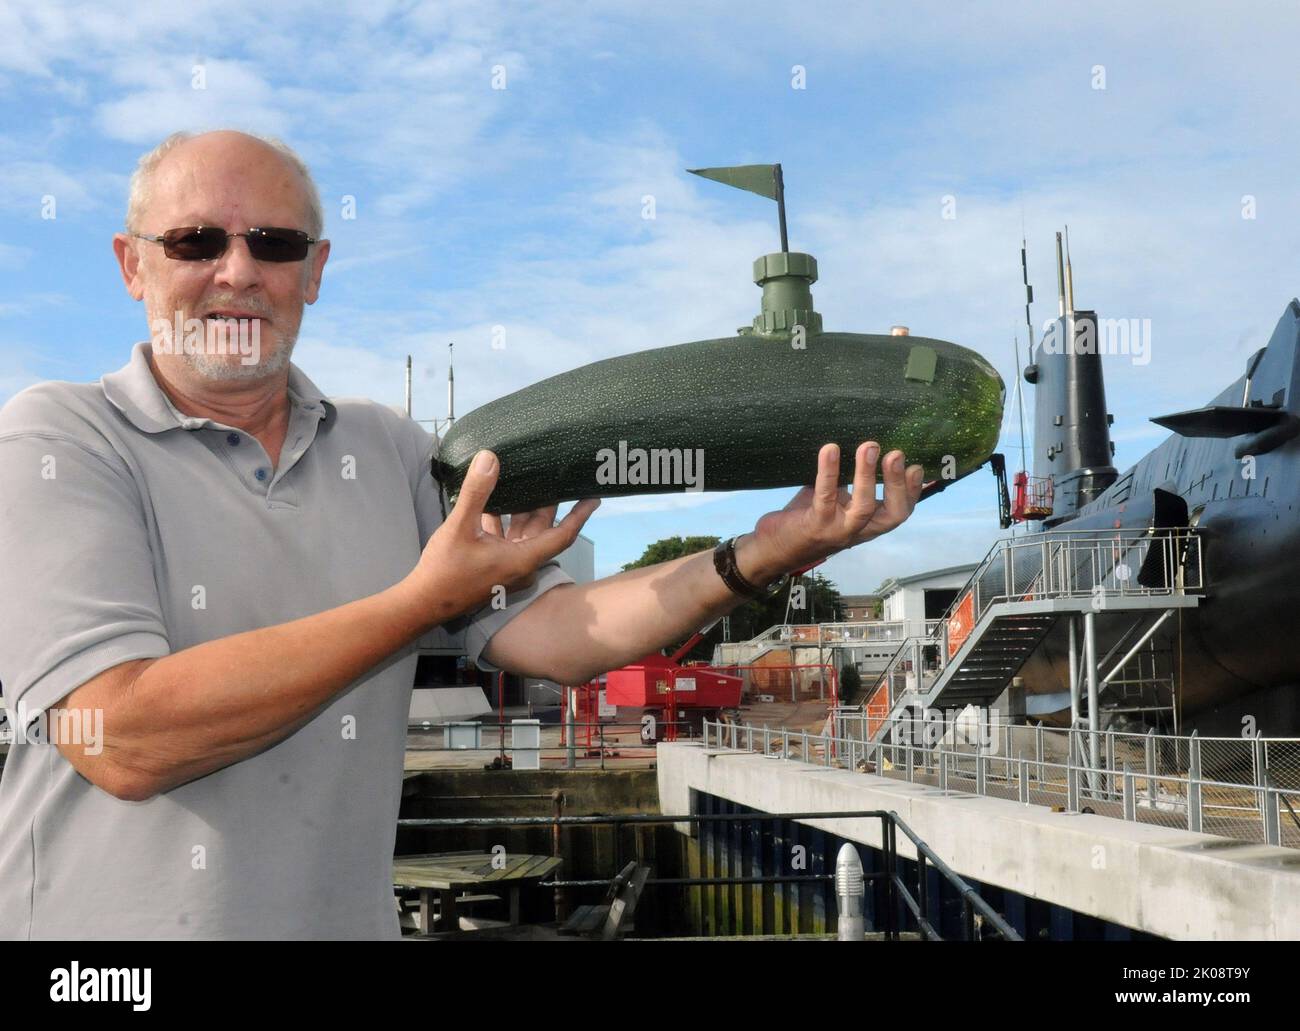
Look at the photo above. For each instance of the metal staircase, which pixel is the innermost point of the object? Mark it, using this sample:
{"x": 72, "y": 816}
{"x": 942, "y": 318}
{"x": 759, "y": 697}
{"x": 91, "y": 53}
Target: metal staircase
{"x": 995, "y": 658}
{"x": 1129, "y": 580}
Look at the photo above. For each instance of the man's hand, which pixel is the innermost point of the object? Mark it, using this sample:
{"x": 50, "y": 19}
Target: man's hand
{"x": 523, "y": 526}
{"x": 825, "y": 518}
{"x": 469, "y": 554}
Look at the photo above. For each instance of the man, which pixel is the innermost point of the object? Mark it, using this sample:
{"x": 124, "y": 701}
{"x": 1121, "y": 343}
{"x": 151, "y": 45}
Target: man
{"x": 216, "y": 577}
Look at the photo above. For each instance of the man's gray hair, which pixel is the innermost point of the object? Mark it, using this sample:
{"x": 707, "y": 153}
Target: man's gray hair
{"x": 142, "y": 179}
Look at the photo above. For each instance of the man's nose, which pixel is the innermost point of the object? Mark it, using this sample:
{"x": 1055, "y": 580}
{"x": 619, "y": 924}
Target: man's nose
{"x": 237, "y": 268}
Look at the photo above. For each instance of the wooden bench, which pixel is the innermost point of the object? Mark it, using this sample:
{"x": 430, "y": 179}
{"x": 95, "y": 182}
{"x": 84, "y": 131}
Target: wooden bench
{"x": 485, "y": 875}
{"x": 614, "y": 916}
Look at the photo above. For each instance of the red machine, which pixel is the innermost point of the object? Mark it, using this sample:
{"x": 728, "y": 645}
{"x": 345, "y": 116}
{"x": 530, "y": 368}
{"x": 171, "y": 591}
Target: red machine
{"x": 1033, "y": 497}
{"x": 661, "y": 685}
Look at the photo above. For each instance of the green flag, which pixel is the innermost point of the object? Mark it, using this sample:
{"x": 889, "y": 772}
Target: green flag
{"x": 760, "y": 179}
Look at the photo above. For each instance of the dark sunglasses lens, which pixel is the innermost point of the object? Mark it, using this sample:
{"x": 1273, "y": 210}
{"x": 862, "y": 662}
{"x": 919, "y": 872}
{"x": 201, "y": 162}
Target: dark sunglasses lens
{"x": 195, "y": 243}
{"x": 277, "y": 244}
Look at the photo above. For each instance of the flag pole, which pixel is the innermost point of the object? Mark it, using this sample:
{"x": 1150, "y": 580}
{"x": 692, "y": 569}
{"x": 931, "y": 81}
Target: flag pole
{"x": 780, "y": 207}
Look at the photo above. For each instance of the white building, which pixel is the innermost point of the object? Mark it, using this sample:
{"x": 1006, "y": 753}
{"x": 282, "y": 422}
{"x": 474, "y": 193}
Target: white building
{"x": 922, "y": 596}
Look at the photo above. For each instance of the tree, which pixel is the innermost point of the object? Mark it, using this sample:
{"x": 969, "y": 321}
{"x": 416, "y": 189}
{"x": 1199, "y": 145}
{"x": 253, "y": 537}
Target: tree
{"x": 670, "y": 548}
{"x": 821, "y": 602}
{"x": 850, "y": 684}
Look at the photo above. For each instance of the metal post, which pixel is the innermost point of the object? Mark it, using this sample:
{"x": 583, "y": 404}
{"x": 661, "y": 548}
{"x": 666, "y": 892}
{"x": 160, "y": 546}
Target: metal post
{"x": 943, "y": 768}
{"x": 1024, "y": 779}
{"x": 1194, "y": 783}
{"x": 1038, "y": 752}
{"x": 1094, "y": 712}
{"x": 570, "y": 733}
{"x": 1258, "y": 765}
{"x": 1072, "y": 777}
{"x": 979, "y": 766}
{"x": 911, "y": 762}
{"x": 1073, "y": 621}
{"x": 1270, "y": 806}
{"x": 1130, "y": 796}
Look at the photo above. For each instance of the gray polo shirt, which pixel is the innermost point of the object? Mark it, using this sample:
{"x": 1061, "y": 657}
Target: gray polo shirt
{"x": 129, "y": 531}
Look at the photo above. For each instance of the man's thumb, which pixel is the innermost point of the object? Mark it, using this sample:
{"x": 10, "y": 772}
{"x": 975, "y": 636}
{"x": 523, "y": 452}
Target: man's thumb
{"x": 480, "y": 480}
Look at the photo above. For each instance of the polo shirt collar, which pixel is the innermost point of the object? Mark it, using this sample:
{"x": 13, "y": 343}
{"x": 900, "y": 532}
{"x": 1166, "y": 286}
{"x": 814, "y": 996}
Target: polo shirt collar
{"x": 134, "y": 392}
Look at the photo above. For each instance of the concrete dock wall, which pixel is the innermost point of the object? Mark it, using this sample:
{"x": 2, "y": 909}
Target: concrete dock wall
{"x": 1158, "y": 880}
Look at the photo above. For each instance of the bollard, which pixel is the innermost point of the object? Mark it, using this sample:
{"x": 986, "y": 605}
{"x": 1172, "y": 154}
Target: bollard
{"x": 850, "y": 890}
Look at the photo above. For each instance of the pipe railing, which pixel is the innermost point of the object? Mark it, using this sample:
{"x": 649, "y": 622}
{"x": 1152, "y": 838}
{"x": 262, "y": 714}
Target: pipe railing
{"x": 1261, "y": 809}
{"x": 898, "y": 894}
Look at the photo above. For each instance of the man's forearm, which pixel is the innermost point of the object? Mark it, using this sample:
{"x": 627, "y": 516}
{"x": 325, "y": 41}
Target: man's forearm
{"x": 620, "y": 618}
{"x": 201, "y": 709}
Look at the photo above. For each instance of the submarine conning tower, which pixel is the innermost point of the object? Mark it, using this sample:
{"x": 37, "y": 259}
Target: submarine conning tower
{"x": 786, "y": 278}
{"x": 1072, "y": 444}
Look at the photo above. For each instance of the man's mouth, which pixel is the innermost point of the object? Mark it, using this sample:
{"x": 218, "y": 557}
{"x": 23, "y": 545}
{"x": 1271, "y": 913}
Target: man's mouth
{"x": 233, "y": 315}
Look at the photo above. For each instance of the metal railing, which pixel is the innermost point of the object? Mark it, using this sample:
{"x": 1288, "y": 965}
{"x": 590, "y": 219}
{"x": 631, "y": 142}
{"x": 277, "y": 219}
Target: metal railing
{"x": 977, "y": 915}
{"x": 1244, "y": 788}
{"x": 823, "y": 635}
{"x": 595, "y": 743}
{"x": 1103, "y": 565}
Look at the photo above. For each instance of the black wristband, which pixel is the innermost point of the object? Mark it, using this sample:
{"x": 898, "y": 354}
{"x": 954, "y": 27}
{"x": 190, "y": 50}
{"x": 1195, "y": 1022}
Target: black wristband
{"x": 724, "y": 561}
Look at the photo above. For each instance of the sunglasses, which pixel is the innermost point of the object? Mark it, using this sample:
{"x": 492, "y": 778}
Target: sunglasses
{"x": 203, "y": 243}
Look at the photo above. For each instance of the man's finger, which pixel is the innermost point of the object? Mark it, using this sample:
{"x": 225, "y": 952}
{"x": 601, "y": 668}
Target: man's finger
{"x": 550, "y": 542}
{"x": 898, "y": 502}
{"x": 863, "y": 505}
{"x": 492, "y": 524}
{"x": 528, "y": 524}
{"x": 479, "y": 483}
{"x": 915, "y": 479}
{"x": 826, "y": 490}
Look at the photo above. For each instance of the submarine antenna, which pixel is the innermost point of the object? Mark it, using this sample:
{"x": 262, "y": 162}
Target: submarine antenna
{"x": 1069, "y": 275}
{"x": 1020, "y": 404}
{"x": 1060, "y": 278}
{"x": 1029, "y": 327}
{"x": 451, "y": 387}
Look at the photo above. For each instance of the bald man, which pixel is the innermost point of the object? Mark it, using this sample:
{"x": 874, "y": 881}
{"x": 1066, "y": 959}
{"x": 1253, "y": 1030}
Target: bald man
{"x": 218, "y": 577}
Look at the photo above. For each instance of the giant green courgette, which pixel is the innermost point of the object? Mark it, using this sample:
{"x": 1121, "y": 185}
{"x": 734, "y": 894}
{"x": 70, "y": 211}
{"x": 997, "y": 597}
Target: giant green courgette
{"x": 749, "y": 411}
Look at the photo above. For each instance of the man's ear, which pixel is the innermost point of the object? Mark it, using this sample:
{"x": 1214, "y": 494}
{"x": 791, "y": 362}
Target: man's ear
{"x": 128, "y": 261}
{"x": 317, "y": 268}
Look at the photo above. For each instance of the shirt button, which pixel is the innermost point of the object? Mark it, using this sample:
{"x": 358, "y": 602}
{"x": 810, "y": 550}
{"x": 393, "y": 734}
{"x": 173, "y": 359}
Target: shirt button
{"x": 261, "y": 475}
{"x": 232, "y": 439}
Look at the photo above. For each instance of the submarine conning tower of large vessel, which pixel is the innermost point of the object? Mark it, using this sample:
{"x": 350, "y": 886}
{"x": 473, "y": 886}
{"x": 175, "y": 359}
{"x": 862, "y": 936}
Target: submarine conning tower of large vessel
{"x": 1072, "y": 445}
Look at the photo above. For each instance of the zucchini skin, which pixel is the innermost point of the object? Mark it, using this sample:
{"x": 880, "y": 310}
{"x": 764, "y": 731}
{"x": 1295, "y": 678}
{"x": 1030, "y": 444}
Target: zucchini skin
{"x": 758, "y": 409}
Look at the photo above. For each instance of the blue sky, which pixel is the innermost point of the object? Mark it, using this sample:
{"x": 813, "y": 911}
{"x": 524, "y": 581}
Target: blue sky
{"x": 522, "y": 207}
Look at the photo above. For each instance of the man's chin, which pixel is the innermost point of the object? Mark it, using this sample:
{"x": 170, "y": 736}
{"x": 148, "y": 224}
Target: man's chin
{"x": 236, "y": 367}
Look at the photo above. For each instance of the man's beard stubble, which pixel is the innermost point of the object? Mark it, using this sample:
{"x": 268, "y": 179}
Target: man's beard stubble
{"x": 230, "y": 368}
